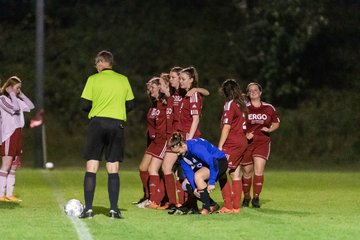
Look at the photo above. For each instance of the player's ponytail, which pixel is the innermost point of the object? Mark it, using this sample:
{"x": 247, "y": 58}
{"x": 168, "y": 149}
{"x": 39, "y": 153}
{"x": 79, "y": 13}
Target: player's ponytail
{"x": 192, "y": 73}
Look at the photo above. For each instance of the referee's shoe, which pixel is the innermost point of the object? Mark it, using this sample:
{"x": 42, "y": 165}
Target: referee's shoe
{"x": 115, "y": 214}
{"x": 87, "y": 213}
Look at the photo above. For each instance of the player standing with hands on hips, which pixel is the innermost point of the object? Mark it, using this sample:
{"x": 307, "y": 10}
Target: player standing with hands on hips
{"x": 107, "y": 97}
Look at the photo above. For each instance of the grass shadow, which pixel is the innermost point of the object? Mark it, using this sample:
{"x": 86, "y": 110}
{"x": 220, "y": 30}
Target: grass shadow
{"x": 104, "y": 210}
{"x": 270, "y": 211}
{"x": 281, "y": 212}
{"x": 9, "y": 205}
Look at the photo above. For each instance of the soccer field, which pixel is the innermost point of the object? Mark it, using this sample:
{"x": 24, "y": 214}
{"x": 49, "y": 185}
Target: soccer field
{"x": 295, "y": 205}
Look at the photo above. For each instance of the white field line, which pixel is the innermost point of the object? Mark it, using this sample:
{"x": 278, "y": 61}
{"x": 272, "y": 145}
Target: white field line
{"x": 82, "y": 230}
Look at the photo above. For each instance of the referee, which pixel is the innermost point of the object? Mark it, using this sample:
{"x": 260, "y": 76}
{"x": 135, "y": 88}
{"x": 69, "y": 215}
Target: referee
{"x": 107, "y": 97}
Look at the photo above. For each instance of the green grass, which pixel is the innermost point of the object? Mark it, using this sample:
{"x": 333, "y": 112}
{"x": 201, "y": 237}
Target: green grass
{"x": 295, "y": 205}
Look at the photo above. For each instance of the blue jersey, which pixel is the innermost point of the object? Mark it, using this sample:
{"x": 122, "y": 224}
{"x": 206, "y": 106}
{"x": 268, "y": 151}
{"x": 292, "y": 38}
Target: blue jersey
{"x": 200, "y": 153}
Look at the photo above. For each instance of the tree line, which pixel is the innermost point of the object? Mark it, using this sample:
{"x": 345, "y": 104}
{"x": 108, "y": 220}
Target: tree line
{"x": 295, "y": 49}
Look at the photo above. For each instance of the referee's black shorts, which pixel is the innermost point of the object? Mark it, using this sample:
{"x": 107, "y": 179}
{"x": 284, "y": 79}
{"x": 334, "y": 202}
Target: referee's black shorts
{"x": 105, "y": 135}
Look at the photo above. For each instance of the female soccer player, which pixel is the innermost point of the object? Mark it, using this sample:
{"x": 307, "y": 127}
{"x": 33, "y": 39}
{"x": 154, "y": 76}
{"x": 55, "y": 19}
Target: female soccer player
{"x": 145, "y": 162}
{"x": 233, "y": 142}
{"x": 155, "y": 151}
{"x": 202, "y": 163}
{"x": 262, "y": 119}
{"x": 158, "y": 146}
{"x": 178, "y": 94}
{"x": 13, "y": 104}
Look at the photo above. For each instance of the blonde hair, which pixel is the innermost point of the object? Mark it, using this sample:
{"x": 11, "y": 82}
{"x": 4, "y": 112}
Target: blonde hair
{"x": 11, "y": 81}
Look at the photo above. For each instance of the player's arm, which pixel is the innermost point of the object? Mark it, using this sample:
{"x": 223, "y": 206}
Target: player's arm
{"x": 188, "y": 172}
{"x": 224, "y": 135}
{"x": 272, "y": 128}
{"x": 202, "y": 91}
{"x": 29, "y": 104}
{"x": 194, "y": 126}
{"x": 8, "y": 105}
{"x": 86, "y": 105}
{"x": 214, "y": 171}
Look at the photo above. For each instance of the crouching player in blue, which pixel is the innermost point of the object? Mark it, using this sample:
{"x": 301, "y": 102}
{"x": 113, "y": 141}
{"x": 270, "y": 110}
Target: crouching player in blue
{"x": 203, "y": 164}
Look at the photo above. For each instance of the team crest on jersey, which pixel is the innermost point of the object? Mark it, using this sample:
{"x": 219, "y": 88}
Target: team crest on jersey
{"x": 168, "y": 111}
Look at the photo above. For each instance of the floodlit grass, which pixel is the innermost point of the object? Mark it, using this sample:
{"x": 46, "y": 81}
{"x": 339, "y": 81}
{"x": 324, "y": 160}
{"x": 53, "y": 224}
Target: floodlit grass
{"x": 295, "y": 205}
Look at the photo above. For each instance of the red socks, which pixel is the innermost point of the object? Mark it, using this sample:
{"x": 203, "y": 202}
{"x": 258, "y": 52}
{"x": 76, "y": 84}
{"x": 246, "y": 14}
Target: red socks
{"x": 154, "y": 184}
{"x": 246, "y": 186}
{"x": 257, "y": 185}
{"x": 226, "y": 194}
{"x": 237, "y": 191}
{"x": 170, "y": 188}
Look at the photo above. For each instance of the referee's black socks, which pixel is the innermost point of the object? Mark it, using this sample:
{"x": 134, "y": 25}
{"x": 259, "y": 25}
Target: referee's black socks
{"x": 89, "y": 189}
{"x": 114, "y": 190}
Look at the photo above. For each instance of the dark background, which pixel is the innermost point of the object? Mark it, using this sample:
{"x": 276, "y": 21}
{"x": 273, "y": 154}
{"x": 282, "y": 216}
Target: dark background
{"x": 304, "y": 53}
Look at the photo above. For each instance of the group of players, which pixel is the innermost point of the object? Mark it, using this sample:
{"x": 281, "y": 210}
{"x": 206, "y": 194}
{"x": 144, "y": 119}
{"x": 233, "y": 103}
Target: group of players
{"x": 179, "y": 167}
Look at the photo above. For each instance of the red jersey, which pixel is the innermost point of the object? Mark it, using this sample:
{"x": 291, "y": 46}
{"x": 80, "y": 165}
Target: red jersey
{"x": 150, "y": 120}
{"x": 259, "y": 117}
{"x": 176, "y": 103}
{"x": 160, "y": 120}
{"x": 190, "y": 106}
{"x": 233, "y": 116}
{"x": 170, "y": 117}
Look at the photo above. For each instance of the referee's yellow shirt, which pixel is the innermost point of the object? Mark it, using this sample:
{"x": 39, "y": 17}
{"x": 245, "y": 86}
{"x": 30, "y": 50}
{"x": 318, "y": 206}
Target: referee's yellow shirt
{"x": 108, "y": 91}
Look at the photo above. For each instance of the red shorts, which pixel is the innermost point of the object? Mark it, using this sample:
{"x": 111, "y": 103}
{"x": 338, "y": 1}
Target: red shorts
{"x": 13, "y": 145}
{"x": 157, "y": 148}
{"x": 235, "y": 153}
{"x": 257, "y": 149}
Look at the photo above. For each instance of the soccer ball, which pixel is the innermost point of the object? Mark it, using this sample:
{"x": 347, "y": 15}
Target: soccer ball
{"x": 73, "y": 208}
{"x": 49, "y": 165}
